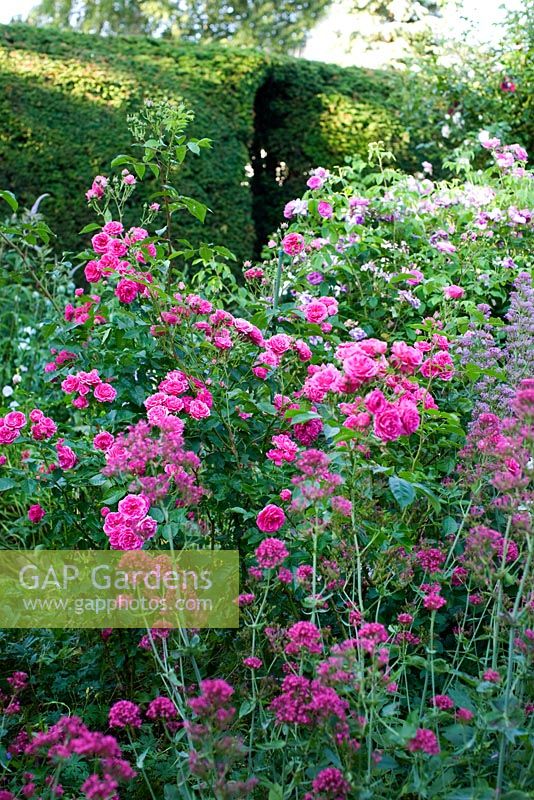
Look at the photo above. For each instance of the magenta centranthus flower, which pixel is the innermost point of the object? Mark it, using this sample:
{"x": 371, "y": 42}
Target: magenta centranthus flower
{"x": 245, "y": 599}
{"x": 433, "y": 600}
{"x": 464, "y": 715}
{"x": 424, "y": 741}
{"x": 492, "y": 676}
{"x": 161, "y": 708}
{"x": 95, "y": 787}
{"x": 271, "y": 553}
{"x": 443, "y": 702}
{"x": 330, "y": 783}
{"x": 303, "y": 636}
{"x": 18, "y": 680}
{"x": 271, "y": 518}
{"x": 215, "y": 694}
{"x": 124, "y": 714}
{"x": 252, "y": 662}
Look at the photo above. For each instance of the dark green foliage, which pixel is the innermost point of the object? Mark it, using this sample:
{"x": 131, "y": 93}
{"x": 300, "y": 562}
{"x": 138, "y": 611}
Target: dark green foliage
{"x": 64, "y": 99}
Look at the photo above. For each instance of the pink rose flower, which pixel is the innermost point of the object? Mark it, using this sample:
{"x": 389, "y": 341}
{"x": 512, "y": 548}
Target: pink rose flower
{"x": 416, "y": 277}
{"x": 405, "y": 357}
{"x": 387, "y": 425}
{"x": 198, "y": 409}
{"x": 70, "y": 384}
{"x": 315, "y": 312}
{"x": 134, "y": 506}
{"x": 8, "y": 435}
{"x": 117, "y": 247}
{"x": 126, "y": 290}
{"x": 105, "y": 393}
{"x": 375, "y": 401}
{"x": 113, "y": 228}
{"x": 360, "y": 368}
{"x": 270, "y": 519}
{"x": 260, "y": 372}
{"x": 103, "y": 440}
{"x": 36, "y": 513}
{"x": 409, "y": 416}
{"x": 80, "y": 402}
{"x": 279, "y": 343}
{"x": 148, "y": 527}
{"x": 303, "y": 351}
{"x": 293, "y": 244}
{"x": 440, "y": 365}
{"x": 100, "y": 242}
{"x": 66, "y": 456}
{"x": 453, "y": 292}
{"x": 93, "y": 272}
{"x": 315, "y": 182}
{"x": 325, "y": 209}
{"x": 15, "y": 420}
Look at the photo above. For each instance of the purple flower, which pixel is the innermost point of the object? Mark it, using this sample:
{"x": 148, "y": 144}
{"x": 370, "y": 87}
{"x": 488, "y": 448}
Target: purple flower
{"x": 315, "y": 278}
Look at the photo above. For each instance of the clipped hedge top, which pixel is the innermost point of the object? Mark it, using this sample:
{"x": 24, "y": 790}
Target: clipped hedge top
{"x": 64, "y": 97}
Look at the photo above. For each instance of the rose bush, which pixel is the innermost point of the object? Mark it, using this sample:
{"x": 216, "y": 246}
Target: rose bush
{"x": 355, "y": 417}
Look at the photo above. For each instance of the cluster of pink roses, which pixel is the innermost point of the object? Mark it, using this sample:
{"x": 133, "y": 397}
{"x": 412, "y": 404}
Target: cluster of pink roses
{"x": 365, "y": 361}
{"x": 61, "y": 358}
{"x": 220, "y": 328}
{"x": 83, "y": 383}
{"x": 98, "y": 188}
{"x": 507, "y": 157}
{"x": 80, "y": 314}
{"x": 14, "y": 421}
{"x": 171, "y": 398}
{"x": 130, "y": 527}
{"x": 316, "y": 311}
{"x": 114, "y": 246}
{"x": 274, "y": 349}
{"x": 11, "y": 426}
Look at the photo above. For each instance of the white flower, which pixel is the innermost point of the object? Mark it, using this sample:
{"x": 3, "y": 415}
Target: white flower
{"x": 445, "y": 131}
{"x": 16, "y": 379}
{"x": 7, "y": 391}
